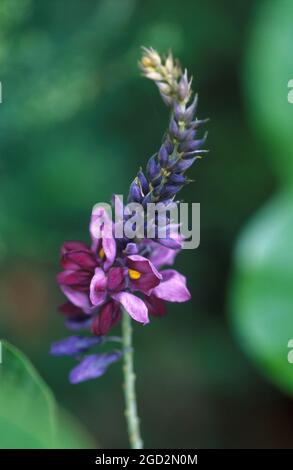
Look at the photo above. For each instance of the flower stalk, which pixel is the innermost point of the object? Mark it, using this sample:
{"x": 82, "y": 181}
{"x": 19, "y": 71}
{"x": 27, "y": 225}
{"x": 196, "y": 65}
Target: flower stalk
{"x": 119, "y": 278}
{"x": 131, "y": 415}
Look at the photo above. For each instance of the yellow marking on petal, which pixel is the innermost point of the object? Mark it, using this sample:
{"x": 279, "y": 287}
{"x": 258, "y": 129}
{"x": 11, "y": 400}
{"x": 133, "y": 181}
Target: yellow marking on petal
{"x": 102, "y": 253}
{"x": 133, "y": 274}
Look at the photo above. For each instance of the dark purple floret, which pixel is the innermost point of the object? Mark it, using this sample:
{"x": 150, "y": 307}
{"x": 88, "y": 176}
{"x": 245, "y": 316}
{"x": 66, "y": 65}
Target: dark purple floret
{"x": 153, "y": 169}
{"x": 183, "y": 165}
{"x": 143, "y": 182}
{"x": 93, "y": 366}
{"x": 74, "y": 345}
{"x": 135, "y": 194}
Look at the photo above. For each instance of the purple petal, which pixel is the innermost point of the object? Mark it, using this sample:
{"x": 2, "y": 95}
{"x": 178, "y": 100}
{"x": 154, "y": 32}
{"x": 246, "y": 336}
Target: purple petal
{"x": 142, "y": 265}
{"x": 98, "y": 287}
{"x": 150, "y": 277}
{"x": 109, "y": 315}
{"x": 183, "y": 165}
{"x": 162, "y": 256}
{"x": 131, "y": 249}
{"x": 133, "y": 305}
{"x": 78, "y": 259}
{"x": 74, "y": 246}
{"x": 169, "y": 235}
{"x": 135, "y": 194}
{"x": 156, "y": 306}
{"x": 93, "y": 366}
{"x": 79, "y": 299}
{"x": 173, "y": 287}
{"x": 171, "y": 243}
{"x": 143, "y": 182}
{"x": 74, "y": 345}
{"x": 100, "y": 225}
{"x": 116, "y": 277}
{"x": 73, "y": 278}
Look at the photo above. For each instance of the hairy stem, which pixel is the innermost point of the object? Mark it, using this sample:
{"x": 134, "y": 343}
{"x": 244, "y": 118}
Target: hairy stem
{"x": 131, "y": 415}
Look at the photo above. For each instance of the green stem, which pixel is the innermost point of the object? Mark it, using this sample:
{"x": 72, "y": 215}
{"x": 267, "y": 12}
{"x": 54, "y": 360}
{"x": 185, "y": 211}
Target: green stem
{"x": 129, "y": 385}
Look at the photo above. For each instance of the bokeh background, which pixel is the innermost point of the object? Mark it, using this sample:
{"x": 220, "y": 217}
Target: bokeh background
{"x": 76, "y": 122}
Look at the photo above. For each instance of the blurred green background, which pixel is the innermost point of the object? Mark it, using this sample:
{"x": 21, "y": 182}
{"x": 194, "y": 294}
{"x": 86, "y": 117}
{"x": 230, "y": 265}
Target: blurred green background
{"x": 76, "y": 122}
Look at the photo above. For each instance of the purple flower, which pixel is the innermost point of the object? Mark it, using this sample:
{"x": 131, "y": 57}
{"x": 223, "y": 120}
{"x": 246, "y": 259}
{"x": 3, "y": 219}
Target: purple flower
{"x": 93, "y": 366}
{"x": 114, "y": 277}
{"x": 143, "y": 276}
{"x": 98, "y": 285}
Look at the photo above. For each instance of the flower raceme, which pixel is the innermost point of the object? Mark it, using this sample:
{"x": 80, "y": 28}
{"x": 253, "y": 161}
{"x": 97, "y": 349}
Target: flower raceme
{"x": 165, "y": 171}
{"x": 113, "y": 277}
{"x": 98, "y": 282}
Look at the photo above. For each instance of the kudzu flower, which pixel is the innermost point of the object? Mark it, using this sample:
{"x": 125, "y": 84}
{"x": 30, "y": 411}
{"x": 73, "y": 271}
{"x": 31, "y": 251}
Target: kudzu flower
{"x": 112, "y": 277}
{"x": 98, "y": 286}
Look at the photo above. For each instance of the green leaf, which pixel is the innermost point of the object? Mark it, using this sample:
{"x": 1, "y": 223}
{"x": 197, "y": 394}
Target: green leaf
{"x": 262, "y": 290}
{"x": 29, "y": 415}
{"x": 269, "y": 68}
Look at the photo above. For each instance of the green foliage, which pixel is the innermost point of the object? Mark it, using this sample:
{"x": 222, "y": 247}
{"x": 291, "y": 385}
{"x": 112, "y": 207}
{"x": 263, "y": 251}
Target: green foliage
{"x": 262, "y": 296}
{"x": 269, "y": 69}
{"x": 29, "y": 415}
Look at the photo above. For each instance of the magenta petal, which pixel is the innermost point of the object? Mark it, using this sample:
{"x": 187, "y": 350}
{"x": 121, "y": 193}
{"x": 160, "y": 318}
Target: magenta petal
{"x": 133, "y": 305}
{"x": 145, "y": 284}
{"x": 73, "y": 278}
{"x": 74, "y": 246}
{"x": 80, "y": 258}
{"x": 98, "y": 287}
{"x": 150, "y": 277}
{"x": 173, "y": 287}
{"x": 79, "y": 299}
{"x": 107, "y": 317}
{"x": 116, "y": 279}
{"x": 156, "y": 306}
{"x": 142, "y": 265}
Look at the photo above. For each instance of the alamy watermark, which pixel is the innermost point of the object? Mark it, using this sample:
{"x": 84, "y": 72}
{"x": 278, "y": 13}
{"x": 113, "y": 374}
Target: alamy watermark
{"x": 290, "y": 93}
{"x": 290, "y": 353}
{"x": 134, "y": 221}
